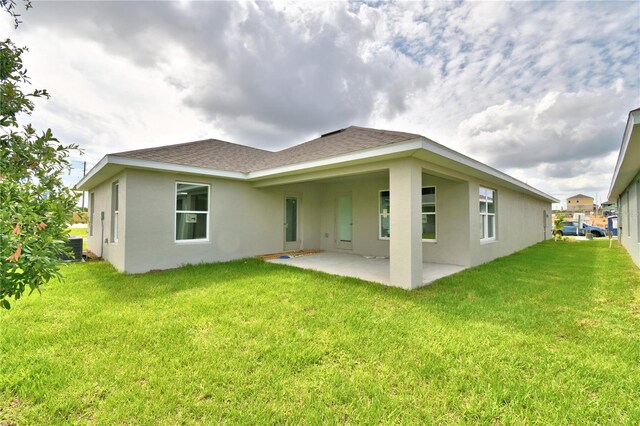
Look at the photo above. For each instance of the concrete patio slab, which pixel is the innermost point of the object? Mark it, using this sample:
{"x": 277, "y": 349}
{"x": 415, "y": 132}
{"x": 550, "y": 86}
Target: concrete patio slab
{"x": 370, "y": 269}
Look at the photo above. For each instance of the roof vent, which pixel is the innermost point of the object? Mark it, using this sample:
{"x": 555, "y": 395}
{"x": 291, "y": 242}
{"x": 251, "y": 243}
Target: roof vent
{"x": 332, "y": 133}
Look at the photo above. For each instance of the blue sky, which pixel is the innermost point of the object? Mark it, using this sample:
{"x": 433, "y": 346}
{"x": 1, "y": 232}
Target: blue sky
{"x": 540, "y": 90}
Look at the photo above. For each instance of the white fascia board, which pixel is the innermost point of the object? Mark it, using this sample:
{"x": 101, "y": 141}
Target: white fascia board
{"x": 95, "y": 169}
{"x": 634, "y": 119}
{"x": 407, "y": 146}
{"x": 158, "y": 166}
{"x": 178, "y": 168}
{"x": 450, "y": 154}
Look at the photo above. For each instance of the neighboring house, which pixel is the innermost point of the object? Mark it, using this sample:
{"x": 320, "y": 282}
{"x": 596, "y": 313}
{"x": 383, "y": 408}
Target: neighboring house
{"x": 356, "y": 190}
{"x": 625, "y": 187}
{"x": 580, "y": 203}
{"x": 608, "y": 209}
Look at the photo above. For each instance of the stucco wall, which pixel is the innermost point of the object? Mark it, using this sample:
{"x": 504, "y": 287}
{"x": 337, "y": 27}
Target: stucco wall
{"x": 629, "y": 219}
{"x": 243, "y": 221}
{"x": 364, "y": 192}
{"x": 452, "y": 225}
{"x": 100, "y": 243}
{"x": 519, "y": 223}
{"x": 309, "y": 199}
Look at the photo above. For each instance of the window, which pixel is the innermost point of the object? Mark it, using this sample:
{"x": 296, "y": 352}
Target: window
{"x": 115, "y": 190}
{"x": 487, "y": 214}
{"x": 91, "y": 212}
{"x": 429, "y": 213}
{"x": 384, "y": 215}
{"x": 628, "y": 215}
{"x": 192, "y": 211}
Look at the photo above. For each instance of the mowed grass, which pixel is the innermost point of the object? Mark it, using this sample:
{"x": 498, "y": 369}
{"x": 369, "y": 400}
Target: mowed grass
{"x": 77, "y": 232}
{"x": 549, "y": 335}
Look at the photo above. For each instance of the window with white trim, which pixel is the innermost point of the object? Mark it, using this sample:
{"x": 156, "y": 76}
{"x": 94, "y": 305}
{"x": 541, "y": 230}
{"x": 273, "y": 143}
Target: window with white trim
{"x": 384, "y": 216}
{"x": 429, "y": 213}
{"x": 115, "y": 195}
{"x": 192, "y": 211}
{"x": 428, "y": 197}
{"x": 628, "y": 215}
{"x": 487, "y": 214}
{"x": 91, "y": 212}
{"x": 621, "y": 214}
{"x": 92, "y": 198}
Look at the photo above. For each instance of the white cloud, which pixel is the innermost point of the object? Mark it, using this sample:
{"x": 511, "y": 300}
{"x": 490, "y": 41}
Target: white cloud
{"x": 533, "y": 88}
{"x": 553, "y": 128}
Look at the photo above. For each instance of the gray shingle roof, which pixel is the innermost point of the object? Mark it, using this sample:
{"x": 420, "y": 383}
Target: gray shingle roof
{"x": 579, "y": 196}
{"x": 221, "y": 155}
{"x": 209, "y": 153}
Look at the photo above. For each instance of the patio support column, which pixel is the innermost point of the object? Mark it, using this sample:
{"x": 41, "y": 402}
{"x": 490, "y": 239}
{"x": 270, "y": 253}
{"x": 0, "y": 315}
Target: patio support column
{"x": 405, "y": 248}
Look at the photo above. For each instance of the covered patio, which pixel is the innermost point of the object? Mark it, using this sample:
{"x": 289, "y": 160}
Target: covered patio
{"x": 376, "y": 269}
{"x": 403, "y": 223}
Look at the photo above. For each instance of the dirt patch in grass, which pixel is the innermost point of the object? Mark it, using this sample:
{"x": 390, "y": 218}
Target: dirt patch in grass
{"x": 294, "y": 253}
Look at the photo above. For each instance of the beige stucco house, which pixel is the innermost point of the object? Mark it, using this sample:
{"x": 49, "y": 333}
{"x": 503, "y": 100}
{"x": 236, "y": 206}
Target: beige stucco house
{"x": 357, "y": 190}
{"x": 580, "y": 203}
{"x": 625, "y": 187}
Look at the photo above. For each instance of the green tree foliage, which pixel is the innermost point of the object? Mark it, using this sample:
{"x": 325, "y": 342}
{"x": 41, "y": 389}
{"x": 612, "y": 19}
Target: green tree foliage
{"x": 35, "y": 204}
{"x": 557, "y": 224}
{"x": 11, "y": 7}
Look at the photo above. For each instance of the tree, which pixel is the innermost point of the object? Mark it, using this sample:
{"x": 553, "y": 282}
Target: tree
{"x": 557, "y": 224}
{"x": 10, "y": 7}
{"x": 35, "y": 203}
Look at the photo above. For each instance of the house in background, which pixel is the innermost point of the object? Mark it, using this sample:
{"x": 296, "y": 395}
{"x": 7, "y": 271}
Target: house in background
{"x": 608, "y": 209}
{"x": 625, "y": 187}
{"x": 580, "y": 203}
{"x": 356, "y": 190}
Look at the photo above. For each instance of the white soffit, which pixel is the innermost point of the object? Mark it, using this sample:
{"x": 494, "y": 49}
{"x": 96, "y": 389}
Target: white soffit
{"x": 405, "y": 148}
{"x": 94, "y": 176}
{"x": 628, "y": 164}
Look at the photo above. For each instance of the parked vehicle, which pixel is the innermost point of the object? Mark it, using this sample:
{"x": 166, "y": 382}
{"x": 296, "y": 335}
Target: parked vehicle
{"x": 568, "y": 228}
{"x": 596, "y": 231}
{"x": 571, "y": 228}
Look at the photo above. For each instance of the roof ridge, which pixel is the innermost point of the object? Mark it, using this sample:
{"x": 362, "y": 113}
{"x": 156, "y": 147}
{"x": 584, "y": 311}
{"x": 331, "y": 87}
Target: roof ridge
{"x": 383, "y": 130}
{"x": 184, "y": 144}
{"x": 223, "y": 155}
{"x": 337, "y": 132}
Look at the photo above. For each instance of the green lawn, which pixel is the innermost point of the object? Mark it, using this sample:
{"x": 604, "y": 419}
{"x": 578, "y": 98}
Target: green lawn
{"x": 549, "y": 335}
{"x": 78, "y": 232}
